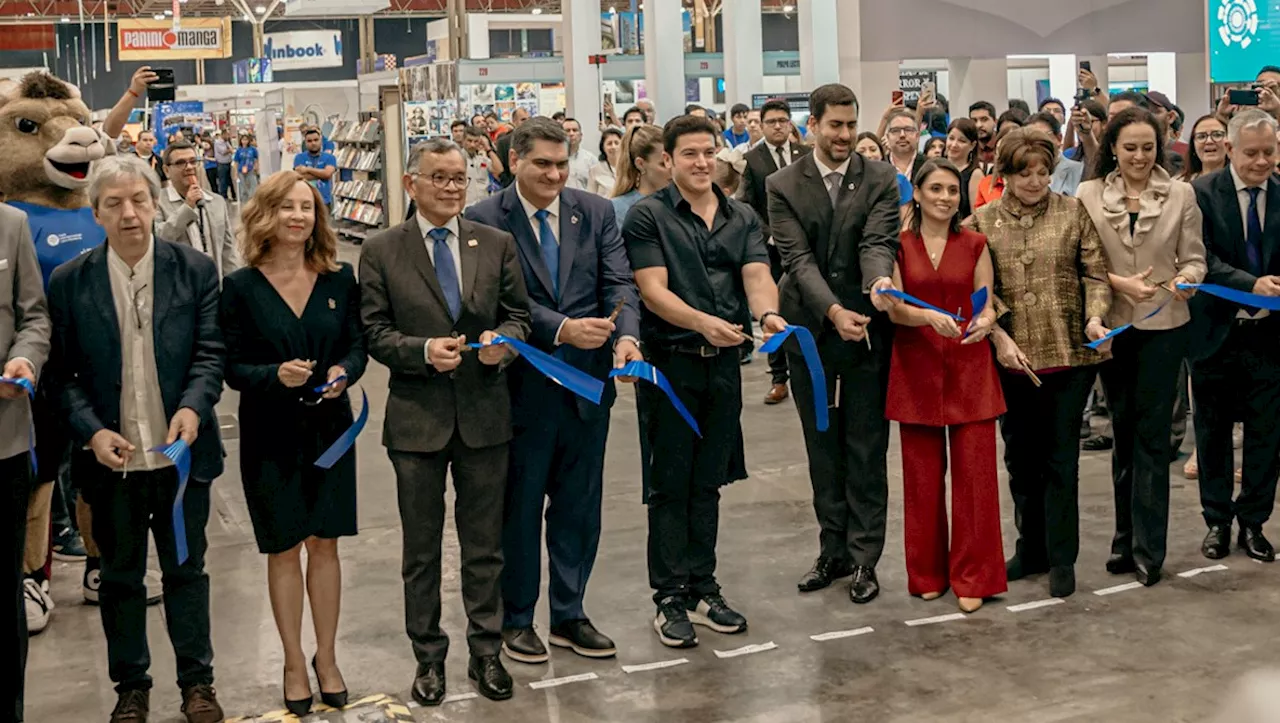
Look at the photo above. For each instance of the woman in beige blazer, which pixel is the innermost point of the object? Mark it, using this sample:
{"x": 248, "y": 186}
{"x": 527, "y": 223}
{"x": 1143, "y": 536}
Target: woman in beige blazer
{"x": 1150, "y": 226}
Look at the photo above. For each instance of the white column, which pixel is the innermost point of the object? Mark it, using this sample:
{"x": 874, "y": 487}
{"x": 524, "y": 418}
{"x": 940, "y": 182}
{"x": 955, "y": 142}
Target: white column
{"x": 743, "y": 51}
{"x": 1162, "y": 74}
{"x": 580, "y": 23}
{"x": 848, "y": 23}
{"x": 663, "y": 56}
{"x": 1063, "y": 72}
{"x": 1193, "y": 88}
{"x": 819, "y": 42}
{"x": 973, "y": 79}
{"x": 877, "y": 80}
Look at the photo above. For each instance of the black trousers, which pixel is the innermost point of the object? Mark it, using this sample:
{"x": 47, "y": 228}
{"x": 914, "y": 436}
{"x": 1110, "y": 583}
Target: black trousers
{"x": 1241, "y": 382}
{"x": 124, "y": 509}
{"x": 479, "y": 480}
{"x": 1042, "y": 455}
{"x": 16, "y": 471}
{"x": 778, "y": 367}
{"x": 686, "y": 472}
{"x": 1142, "y": 388}
{"x": 848, "y": 466}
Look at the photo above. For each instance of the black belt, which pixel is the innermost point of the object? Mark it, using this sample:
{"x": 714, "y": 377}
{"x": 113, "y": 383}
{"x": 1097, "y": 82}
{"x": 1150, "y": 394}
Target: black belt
{"x": 704, "y": 351}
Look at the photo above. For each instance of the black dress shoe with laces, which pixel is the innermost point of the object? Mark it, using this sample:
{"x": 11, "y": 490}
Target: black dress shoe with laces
{"x": 1017, "y": 567}
{"x": 1097, "y": 443}
{"x": 1217, "y": 544}
{"x": 581, "y": 637}
{"x": 826, "y": 570}
{"x": 1146, "y": 574}
{"x": 428, "y": 684}
{"x": 1255, "y": 545}
{"x": 864, "y": 587}
{"x": 491, "y": 679}
{"x": 524, "y": 646}
{"x": 132, "y": 706}
{"x": 1120, "y": 564}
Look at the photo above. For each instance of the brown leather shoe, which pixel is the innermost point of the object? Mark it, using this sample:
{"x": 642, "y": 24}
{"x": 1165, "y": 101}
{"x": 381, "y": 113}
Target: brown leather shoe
{"x": 777, "y": 394}
{"x": 200, "y": 705}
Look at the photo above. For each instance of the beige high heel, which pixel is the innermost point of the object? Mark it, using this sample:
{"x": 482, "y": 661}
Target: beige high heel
{"x": 930, "y": 595}
{"x": 970, "y": 604}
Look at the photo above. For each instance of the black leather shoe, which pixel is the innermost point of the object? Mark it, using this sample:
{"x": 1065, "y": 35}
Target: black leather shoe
{"x": 1120, "y": 564}
{"x": 132, "y": 706}
{"x": 492, "y": 680}
{"x": 1217, "y": 544}
{"x": 524, "y": 646}
{"x": 581, "y": 637}
{"x": 1255, "y": 545}
{"x": 864, "y": 587}
{"x": 1147, "y": 575}
{"x": 1016, "y": 568}
{"x": 1097, "y": 443}
{"x": 333, "y": 700}
{"x": 1062, "y": 581}
{"x": 826, "y": 570}
{"x": 428, "y": 685}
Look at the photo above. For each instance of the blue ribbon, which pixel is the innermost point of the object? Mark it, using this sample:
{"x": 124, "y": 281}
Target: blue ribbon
{"x": 348, "y": 438}
{"x": 180, "y": 454}
{"x": 918, "y": 302}
{"x": 1116, "y": 332}
{"x": 650, "y": 373}
{"x": 817, "y": 376}
{"x": 1243, "y": 298}
{"x": 560, "y": 372}
{"x": 31, "y": 428}
{"x": 330, "y": 384}
{"x": 978, "y": 304}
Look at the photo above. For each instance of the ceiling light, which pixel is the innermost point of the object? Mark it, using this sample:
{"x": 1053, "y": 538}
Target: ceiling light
{"x": 168, "y": 12}
{"x": 537, "y": 11}
{"x": 66, "y": 19}
{"x": 158, "y": 16}
{"x": 785, "y": 8}
{"x": 259, "y": 10}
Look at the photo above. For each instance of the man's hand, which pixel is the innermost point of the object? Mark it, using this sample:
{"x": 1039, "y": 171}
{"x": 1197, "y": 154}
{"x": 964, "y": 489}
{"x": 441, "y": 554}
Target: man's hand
{"x": 589, "y": 333}
{"x": 445, "y": 353}
{"x": 336, "y": 390}
{"x": 1225, "y": 109}
{"x": 17, "y": 369}
{"x": 294, "y": 373}
{"x": 850, "y": 325}
{"x": 494, "y": 354}
{"x": 110, "y": 449}
{"x": 1267, "y": 286}
{"x": 882, "y": 302}
{"x": 1087, "y": 80}
{"x": 773, "y": 324}
{"x": 142, "y": 77}
{"x": 185, "y": 425}
{"x": 719, "y": 332}
{"x": 195, "y": 195}
{"x": 895, "y": 106}
{"x": 624, "y": 352}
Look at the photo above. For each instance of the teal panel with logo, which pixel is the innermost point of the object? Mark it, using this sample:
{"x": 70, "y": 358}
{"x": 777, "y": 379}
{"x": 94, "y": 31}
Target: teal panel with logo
{"x": 1244, "y": 36}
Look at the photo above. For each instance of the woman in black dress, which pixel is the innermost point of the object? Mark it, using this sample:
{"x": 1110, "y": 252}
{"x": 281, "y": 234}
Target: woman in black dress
{"x": 292, "y": 323}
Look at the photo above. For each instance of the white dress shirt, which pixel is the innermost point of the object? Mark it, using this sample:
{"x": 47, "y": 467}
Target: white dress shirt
{"x": 193, "y": 229}
{"x": 1243, "y": 196}
{"x": 786, "y": 152}
{"x": 580, "y": 165}
{"x": 142, "y": 418}
{"x": 455, "y": 248}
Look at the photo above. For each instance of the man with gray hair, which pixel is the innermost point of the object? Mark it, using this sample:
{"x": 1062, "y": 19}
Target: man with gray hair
{"x": 1235, "y": 369}
{"x": 139, "y": 360}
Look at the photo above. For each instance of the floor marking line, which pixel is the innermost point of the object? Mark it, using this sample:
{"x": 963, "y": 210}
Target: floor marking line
{"x": 838, "y": 634}
{"x": 936, "y": 619}
{"x": 745, "y": 650}
{"x": 1200, "y": 570}
{"x": 1118, "y": 588}
{"x": 654, "y": 666}
{"x": 1037, "y": 604}
{"x": 458, "y": 698}
{"x": 553, "y": 682}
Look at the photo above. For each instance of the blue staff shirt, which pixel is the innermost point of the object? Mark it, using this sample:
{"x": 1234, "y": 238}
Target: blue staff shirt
{"x": 246, "y": 156}
{"x": 60, "y": 234}
{"x": 318, "y": 161}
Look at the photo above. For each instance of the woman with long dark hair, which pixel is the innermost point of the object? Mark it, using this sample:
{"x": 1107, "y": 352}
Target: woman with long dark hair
{"x": 935, "y": 147}
{"x": 1208, "y": 152}
{"x": 604, "y": 173}
{"x": 962, "y": 151}
{"x": 870, "y": 147}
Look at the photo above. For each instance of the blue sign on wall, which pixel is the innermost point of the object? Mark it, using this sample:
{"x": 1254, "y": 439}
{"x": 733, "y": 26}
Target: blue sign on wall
{"x": 1244, "y": 36}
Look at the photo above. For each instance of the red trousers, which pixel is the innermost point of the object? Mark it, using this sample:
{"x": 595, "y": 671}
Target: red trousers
{"x": 974, "y": 564}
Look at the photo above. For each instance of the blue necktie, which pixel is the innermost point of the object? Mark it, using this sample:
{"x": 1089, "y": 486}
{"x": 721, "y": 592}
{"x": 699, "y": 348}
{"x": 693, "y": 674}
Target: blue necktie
{"x": 550, "y": 249}
{"x": 446, "y": 272}
{"x": 1253, "y": 233}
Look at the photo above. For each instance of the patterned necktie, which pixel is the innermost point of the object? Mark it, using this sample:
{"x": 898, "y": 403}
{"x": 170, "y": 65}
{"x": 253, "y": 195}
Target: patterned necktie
{"x": 782, "y": 157}
{"x": 446, "y": 272}
{"x": 833, "y": 186}
{"x": 550, "y": 249}
{"x": 1253, "y": 233}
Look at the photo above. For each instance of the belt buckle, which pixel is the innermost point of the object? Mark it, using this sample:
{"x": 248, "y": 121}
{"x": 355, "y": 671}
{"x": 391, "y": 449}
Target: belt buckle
{"x": 706, "y": 352}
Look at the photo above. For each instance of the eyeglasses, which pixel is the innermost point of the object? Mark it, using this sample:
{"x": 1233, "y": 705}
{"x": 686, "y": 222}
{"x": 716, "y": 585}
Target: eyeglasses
{"x": 1203, "y": 136}
{"x": 901, "y": 131}
{"x": 777, "y": 121}
{"x": 139, "y": 302}
{"x": 184, "y": 164}
{"x": 439, "y": 180}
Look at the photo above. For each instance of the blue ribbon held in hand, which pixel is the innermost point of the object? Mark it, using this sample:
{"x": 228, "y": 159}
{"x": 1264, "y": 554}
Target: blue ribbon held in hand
{"x": 180, "y": 454}
{"x": 330, "y": 384}
{"x": 1116, "y": 332}
{"x": 562, "y": 373}
{"x": 977, "y": 304}
{"x": 1243, "y": 298}
{"x": 347, "y": 439}
{"x": 918, "y": 302}
{"x": 650, "y": 373}
{"x": 30, "y": 389}
{"x": 818, "y": 377}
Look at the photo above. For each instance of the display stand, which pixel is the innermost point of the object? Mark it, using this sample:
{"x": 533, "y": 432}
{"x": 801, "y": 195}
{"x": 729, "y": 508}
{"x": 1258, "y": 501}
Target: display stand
{"x": 359, "y": 197}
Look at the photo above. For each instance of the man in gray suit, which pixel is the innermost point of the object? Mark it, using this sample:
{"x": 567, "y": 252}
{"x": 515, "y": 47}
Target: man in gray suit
{"x": 24, "y": 340}
{"x": 428, "y": 286}
{"x": 187, "y": 214}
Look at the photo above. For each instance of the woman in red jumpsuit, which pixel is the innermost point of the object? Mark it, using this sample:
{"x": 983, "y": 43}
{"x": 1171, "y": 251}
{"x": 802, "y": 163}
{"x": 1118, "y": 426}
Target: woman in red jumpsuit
{"x": 943, "y": 381}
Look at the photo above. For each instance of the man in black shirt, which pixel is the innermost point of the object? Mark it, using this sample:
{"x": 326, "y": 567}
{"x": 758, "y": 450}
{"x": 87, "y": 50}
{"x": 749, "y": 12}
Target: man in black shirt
{"x": 703, "y": 272}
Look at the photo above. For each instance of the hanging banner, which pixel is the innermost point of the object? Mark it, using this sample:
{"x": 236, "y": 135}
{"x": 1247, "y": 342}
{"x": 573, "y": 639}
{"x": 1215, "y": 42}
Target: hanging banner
{"x": 301, "y": 49}
{"x": 158, "y": 40}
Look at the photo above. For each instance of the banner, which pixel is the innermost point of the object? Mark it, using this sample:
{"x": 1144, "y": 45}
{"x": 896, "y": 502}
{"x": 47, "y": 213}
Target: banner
{"x": 304, "y": 49}
{"x": 158, "y": 40}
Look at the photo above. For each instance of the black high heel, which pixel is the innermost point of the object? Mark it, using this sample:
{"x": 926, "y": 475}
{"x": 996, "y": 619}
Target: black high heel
{"x": 333, "y": 700}
{"x": 300, "y": 707}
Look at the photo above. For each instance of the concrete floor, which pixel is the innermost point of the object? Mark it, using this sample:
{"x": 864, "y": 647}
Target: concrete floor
{"x": 1161, "y": 655}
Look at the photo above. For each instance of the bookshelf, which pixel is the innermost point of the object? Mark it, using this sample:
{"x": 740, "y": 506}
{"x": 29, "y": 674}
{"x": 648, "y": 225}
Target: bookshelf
{"x": 359, "y": 195}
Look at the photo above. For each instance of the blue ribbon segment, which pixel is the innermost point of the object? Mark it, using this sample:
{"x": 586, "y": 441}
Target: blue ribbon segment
{"x": 977, "y": 304}
{"x": 560, "y": 372}
{"x": 818, "y": 377}
{"x": 347, "y": 439}
{"x": 330, "y": 384}
{"x": 1116, "y": 332}
{"x": 918, "y": 302}
{"x": 1243, "y": 298}
{"x": 650, "y": 373}
{"x": 30, "y": 389}
{"x": 180, "y": 454}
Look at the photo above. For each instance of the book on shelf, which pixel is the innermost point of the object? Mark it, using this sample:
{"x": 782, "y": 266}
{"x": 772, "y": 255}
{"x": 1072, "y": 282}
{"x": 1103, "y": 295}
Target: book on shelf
{"x": 369, "y": 191}
{"x": 352, "y": 157}
{"x": 351, "y": 210}
{"x": 367, "y": 131}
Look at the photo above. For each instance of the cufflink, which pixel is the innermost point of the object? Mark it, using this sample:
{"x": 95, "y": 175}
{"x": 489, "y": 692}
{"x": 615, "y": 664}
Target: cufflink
{"x": 472, "y": 243}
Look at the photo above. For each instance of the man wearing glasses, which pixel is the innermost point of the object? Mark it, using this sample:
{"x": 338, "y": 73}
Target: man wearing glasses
{"x": 186, "y": 214}
{"x": 139, "y": 356}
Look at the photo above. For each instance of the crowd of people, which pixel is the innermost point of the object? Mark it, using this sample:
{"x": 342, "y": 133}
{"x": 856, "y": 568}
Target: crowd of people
{"x": 667, "y": 247}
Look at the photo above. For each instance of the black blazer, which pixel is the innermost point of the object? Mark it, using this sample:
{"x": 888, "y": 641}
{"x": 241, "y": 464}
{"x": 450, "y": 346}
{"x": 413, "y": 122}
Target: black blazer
{"x": 760, "y": 165}
{"x": 402, "y": 305}
{"x": 1228, "y": 258}
{"x": 188, "y": 342}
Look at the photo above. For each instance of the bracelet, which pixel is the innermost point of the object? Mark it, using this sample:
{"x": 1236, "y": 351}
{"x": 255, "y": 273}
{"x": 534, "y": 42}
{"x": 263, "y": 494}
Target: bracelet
{"x": 768, "y": 314}
{"x": 130, "y": 92}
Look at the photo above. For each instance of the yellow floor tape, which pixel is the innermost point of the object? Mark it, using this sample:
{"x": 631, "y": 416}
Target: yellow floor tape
{"x": 371, "y": 709}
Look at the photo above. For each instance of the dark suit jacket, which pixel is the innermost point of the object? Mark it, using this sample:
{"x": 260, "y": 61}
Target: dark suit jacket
{"x": 760, "y": 165}
{"x": 188, "y": 341}
{"x": 595, "y": 274}
{"x": 402, "y": 306}
{"x": 1228, "y": 257}
{"x": 831, "y": 255}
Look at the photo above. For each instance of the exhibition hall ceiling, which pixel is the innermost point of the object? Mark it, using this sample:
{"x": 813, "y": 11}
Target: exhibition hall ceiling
{"x": 70, "y": 10}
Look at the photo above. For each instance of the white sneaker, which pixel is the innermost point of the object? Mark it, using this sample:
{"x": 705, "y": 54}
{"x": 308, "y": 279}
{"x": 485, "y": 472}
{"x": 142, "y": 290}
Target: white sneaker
{"x": 93, "y": 581}
{"x": 38, "y": 605}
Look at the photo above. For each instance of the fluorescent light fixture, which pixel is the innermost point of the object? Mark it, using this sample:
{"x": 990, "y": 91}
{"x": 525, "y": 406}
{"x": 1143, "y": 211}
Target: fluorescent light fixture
{"x": 66, "y": 19}
{"x": 537, "y": 11}
{"x": 788, "y": 8}
{"x": 158, "y": 16}
{"x": 168, "y": 13}
{"x": 259, "y": 10}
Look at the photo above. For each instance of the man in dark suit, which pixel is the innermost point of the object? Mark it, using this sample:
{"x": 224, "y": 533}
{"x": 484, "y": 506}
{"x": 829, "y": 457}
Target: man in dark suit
{"x": 774, "y": 152}
{"x": 835, "y": 220}
{"x": 427, "y": 287}
{"x": 577, "y": 272}
{"x": 1235, "y": 369}
{"x": 139, "y": 356}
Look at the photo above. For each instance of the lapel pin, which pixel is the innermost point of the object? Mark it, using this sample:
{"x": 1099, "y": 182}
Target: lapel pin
{"x": 472, "y": 243}
{"x": 333, "y": 304}
{"x": 573, "y": 220}
{"x": 851, "y": 186}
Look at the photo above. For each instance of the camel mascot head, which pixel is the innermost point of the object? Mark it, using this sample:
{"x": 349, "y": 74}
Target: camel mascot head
{"x": 46, "y": 142}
